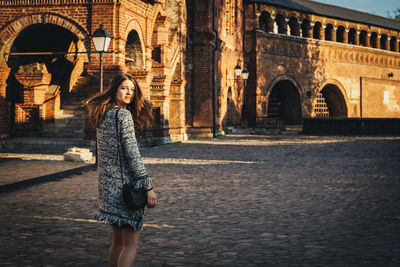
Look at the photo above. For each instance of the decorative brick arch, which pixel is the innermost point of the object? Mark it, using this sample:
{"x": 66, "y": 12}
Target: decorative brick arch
{"x": 133, "y": 25}
{"x": 154, "y": 14}
{"x": 14, "y": 27}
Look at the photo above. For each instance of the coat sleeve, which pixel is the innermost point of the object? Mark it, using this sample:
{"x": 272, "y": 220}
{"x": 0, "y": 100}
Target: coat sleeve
{"x": 131, "y": 150}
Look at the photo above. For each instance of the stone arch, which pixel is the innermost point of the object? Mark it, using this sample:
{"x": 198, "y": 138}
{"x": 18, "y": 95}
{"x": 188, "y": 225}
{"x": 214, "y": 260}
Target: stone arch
{"x": 294, "y": 26}
{"x": 284, "y": 100}
{"x": 13, "y": 28}
{"x": 335, "y": 98}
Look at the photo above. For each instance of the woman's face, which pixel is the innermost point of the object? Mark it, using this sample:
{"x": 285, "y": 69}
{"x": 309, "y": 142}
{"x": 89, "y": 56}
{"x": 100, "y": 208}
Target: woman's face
{"x": 125, "y": 93}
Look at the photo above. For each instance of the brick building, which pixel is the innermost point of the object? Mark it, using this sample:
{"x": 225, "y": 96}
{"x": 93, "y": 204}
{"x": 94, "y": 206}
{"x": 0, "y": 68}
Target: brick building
{"x": 305, "y": 59}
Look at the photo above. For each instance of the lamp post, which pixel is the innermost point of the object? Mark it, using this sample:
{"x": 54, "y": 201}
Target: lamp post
{"x": 245, "y": 76}
{"x": 101, "y": 40}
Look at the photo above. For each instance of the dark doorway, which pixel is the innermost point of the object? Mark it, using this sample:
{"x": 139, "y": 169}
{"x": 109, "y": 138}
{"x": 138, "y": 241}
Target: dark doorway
{"x": 284, "y": 103}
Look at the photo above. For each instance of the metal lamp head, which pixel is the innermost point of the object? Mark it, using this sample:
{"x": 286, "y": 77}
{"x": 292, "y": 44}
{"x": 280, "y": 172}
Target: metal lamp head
{"x": 101, "y": 39}
{"x": 245, "y": 74}
{"x": 238, "y": 70}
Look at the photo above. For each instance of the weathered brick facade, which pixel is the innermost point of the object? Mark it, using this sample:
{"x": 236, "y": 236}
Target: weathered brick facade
{"x": 183, "y": 53}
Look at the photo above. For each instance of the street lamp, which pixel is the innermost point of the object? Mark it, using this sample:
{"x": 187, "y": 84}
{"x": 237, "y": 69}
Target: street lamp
{"x": 101, "y": 40}
{"x": 238, "y": 71}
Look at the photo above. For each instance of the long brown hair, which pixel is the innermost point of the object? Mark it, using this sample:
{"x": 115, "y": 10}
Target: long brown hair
{"x": 99, "y": 104}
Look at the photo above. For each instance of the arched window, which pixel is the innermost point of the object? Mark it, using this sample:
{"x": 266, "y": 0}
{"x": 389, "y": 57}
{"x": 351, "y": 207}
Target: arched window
{"x": 281, "y": 22}
{"x": 328, "y": 32}
{"x": 352, "y": 36}
{"x": 133, "y": 51}
{"x": 383, "y": 41}
{"x": 265, "y": 22}
{"x": 294, "y": 26}
{"x": 363, "y": 38}
{"x": 317, "y": 30}
{"x": 373, "y": 40}
{"x": 340, "y": 34}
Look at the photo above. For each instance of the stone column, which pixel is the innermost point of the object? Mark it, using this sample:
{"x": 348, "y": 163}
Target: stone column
{"x": 378, "y": 41}
{"x": 309, "y": 30}
{"x": 333, "y": 34}
{"x": 346, "y": 36}
{"x": 300, "y": 29}
{"x": 397, "y": 45}
{"x": 322, "y": 32}
{"x": 357, "y": 38}
{"x": 368, "y": 40}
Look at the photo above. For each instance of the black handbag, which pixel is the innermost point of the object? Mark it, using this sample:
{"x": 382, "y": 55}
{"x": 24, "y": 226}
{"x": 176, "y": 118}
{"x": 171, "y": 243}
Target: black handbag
{"x": 134, "y": 199}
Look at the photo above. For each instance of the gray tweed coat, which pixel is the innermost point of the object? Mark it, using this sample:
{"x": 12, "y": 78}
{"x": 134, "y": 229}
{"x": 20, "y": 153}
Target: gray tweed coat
{"x": 112, "y": 209}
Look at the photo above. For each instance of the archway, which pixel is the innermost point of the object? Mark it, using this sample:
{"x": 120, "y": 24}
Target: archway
{"x": 41, "y": 38}
{"x": 41, "y": 71}
{"x": 133, "y": 52}
{"x": 284, "y": 103}
{"x": 330, "y": 102}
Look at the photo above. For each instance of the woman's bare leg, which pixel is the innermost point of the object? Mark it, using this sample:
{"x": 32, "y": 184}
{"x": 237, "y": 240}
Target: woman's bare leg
{"x": 130, "y": 240}
{"x": 116, "y": 247}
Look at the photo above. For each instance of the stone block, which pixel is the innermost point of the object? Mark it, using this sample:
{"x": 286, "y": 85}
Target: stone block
{"x": 78, "y": 154}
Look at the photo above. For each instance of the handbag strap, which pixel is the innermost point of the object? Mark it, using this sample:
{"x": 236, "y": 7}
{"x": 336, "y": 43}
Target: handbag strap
{"x": 118, "y": 145}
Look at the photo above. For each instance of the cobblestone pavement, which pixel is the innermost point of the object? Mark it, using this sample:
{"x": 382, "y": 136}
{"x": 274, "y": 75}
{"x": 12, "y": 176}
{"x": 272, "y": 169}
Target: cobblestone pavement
{"x": 19, "y": 167}
{"x": 240, "y": 200}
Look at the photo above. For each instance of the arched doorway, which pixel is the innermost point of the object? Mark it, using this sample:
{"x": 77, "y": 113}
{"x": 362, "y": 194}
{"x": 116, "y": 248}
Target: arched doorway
{"x": 284, "y": 103}
{"x": 330, "y": 102}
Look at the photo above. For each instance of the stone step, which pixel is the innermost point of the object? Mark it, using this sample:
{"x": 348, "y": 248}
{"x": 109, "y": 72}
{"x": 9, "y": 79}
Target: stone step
{"x": 38, "y": 145}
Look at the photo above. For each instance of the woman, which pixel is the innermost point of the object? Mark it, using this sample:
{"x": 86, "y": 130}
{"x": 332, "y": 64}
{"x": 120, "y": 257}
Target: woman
{"x": 121, "y": 104}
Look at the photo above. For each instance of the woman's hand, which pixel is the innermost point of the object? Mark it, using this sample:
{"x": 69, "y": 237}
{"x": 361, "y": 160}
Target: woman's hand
{"x": 151, "y": 199}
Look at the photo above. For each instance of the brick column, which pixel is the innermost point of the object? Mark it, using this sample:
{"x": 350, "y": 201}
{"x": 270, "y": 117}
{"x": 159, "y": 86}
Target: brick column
{"x": 346, "y": 36}
{"x": 322, "y": 32}
{"x": 387, "y": 43}
{"x": 4, "y": 104}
